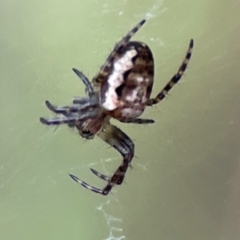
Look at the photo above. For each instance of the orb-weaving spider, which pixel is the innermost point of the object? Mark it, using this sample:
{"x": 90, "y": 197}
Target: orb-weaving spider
{"x": 120, "y": 90}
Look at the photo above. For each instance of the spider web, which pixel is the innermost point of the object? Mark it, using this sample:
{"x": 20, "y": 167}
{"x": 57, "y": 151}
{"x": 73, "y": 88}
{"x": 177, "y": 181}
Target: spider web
{"x": 184, "y": 182}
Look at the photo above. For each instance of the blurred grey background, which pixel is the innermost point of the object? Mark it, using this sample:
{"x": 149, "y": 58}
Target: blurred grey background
{"x": 184, "y": 183}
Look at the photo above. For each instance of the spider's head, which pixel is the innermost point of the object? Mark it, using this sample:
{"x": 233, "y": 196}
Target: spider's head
{"x": 89, "y": 128}
{"x": 87, "y": 134}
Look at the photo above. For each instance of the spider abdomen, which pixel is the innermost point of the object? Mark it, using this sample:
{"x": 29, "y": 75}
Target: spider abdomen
{"x": 129, "y": 81}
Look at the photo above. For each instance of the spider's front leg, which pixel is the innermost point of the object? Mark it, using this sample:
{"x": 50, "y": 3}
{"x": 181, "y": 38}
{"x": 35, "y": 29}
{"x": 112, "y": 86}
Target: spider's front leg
{"x": 175, "y": 79}
{"x": 124, "y": 145}
{"x": 89, "y": 88}
{"x": 87, "y": 112}
{"x": 82, "y": 105}
{"x": 69, "y": 119}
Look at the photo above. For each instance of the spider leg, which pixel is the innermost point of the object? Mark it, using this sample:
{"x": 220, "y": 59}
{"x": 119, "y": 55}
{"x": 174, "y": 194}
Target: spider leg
{"x": 174, "y": 79}
{"x": 85, "y": 80}
{"x": 93, "y": 99}
{"x": 129, "y": 35}
{"x": 101, "y": 76}
{"x": 58, "y": 110}
{"x": 124, "y": 41}
{"x": 124, "y": 145}
{"x": 100, "y": 175}
{"x": 70, "y": 118}
{"x": 85, "y": 103}
{"x": 139, "y": 121}
{"x": 87, "y": 186}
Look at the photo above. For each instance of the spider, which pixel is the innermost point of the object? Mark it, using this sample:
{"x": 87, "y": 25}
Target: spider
{"x": 120, "y": 90}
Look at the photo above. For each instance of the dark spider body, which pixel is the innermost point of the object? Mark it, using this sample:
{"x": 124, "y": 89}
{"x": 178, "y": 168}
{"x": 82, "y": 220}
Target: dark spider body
{"x": 120, "y": 90}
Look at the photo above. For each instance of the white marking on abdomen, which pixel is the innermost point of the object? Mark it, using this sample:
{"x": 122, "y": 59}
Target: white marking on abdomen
{"x": 116, "y": 79}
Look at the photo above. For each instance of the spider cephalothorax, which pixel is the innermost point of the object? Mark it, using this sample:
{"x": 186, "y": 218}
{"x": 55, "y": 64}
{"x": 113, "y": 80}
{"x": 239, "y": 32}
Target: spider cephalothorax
{"x": 120, "y": 90}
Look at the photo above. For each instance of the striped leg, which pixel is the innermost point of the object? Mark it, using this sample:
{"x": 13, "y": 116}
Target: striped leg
{"x": 85, "y": 80}
{"x": 69, "y": 119}
{"x": 124, "y": 145}
{"x": 174, "y": 79}
{"x": 101, "y": 76}
{"x": 85, "y": 104}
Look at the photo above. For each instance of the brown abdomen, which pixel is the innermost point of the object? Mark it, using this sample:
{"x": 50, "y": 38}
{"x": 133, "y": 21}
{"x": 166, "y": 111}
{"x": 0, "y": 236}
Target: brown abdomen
{"x": 128, "y": 81}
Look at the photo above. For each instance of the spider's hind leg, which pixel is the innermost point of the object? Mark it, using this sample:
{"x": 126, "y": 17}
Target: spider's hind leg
{"x": 174, "y": 79}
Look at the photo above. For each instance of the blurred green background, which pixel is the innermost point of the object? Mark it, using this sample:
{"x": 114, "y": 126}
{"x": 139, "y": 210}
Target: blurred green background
{"x": 185, "y": 178}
